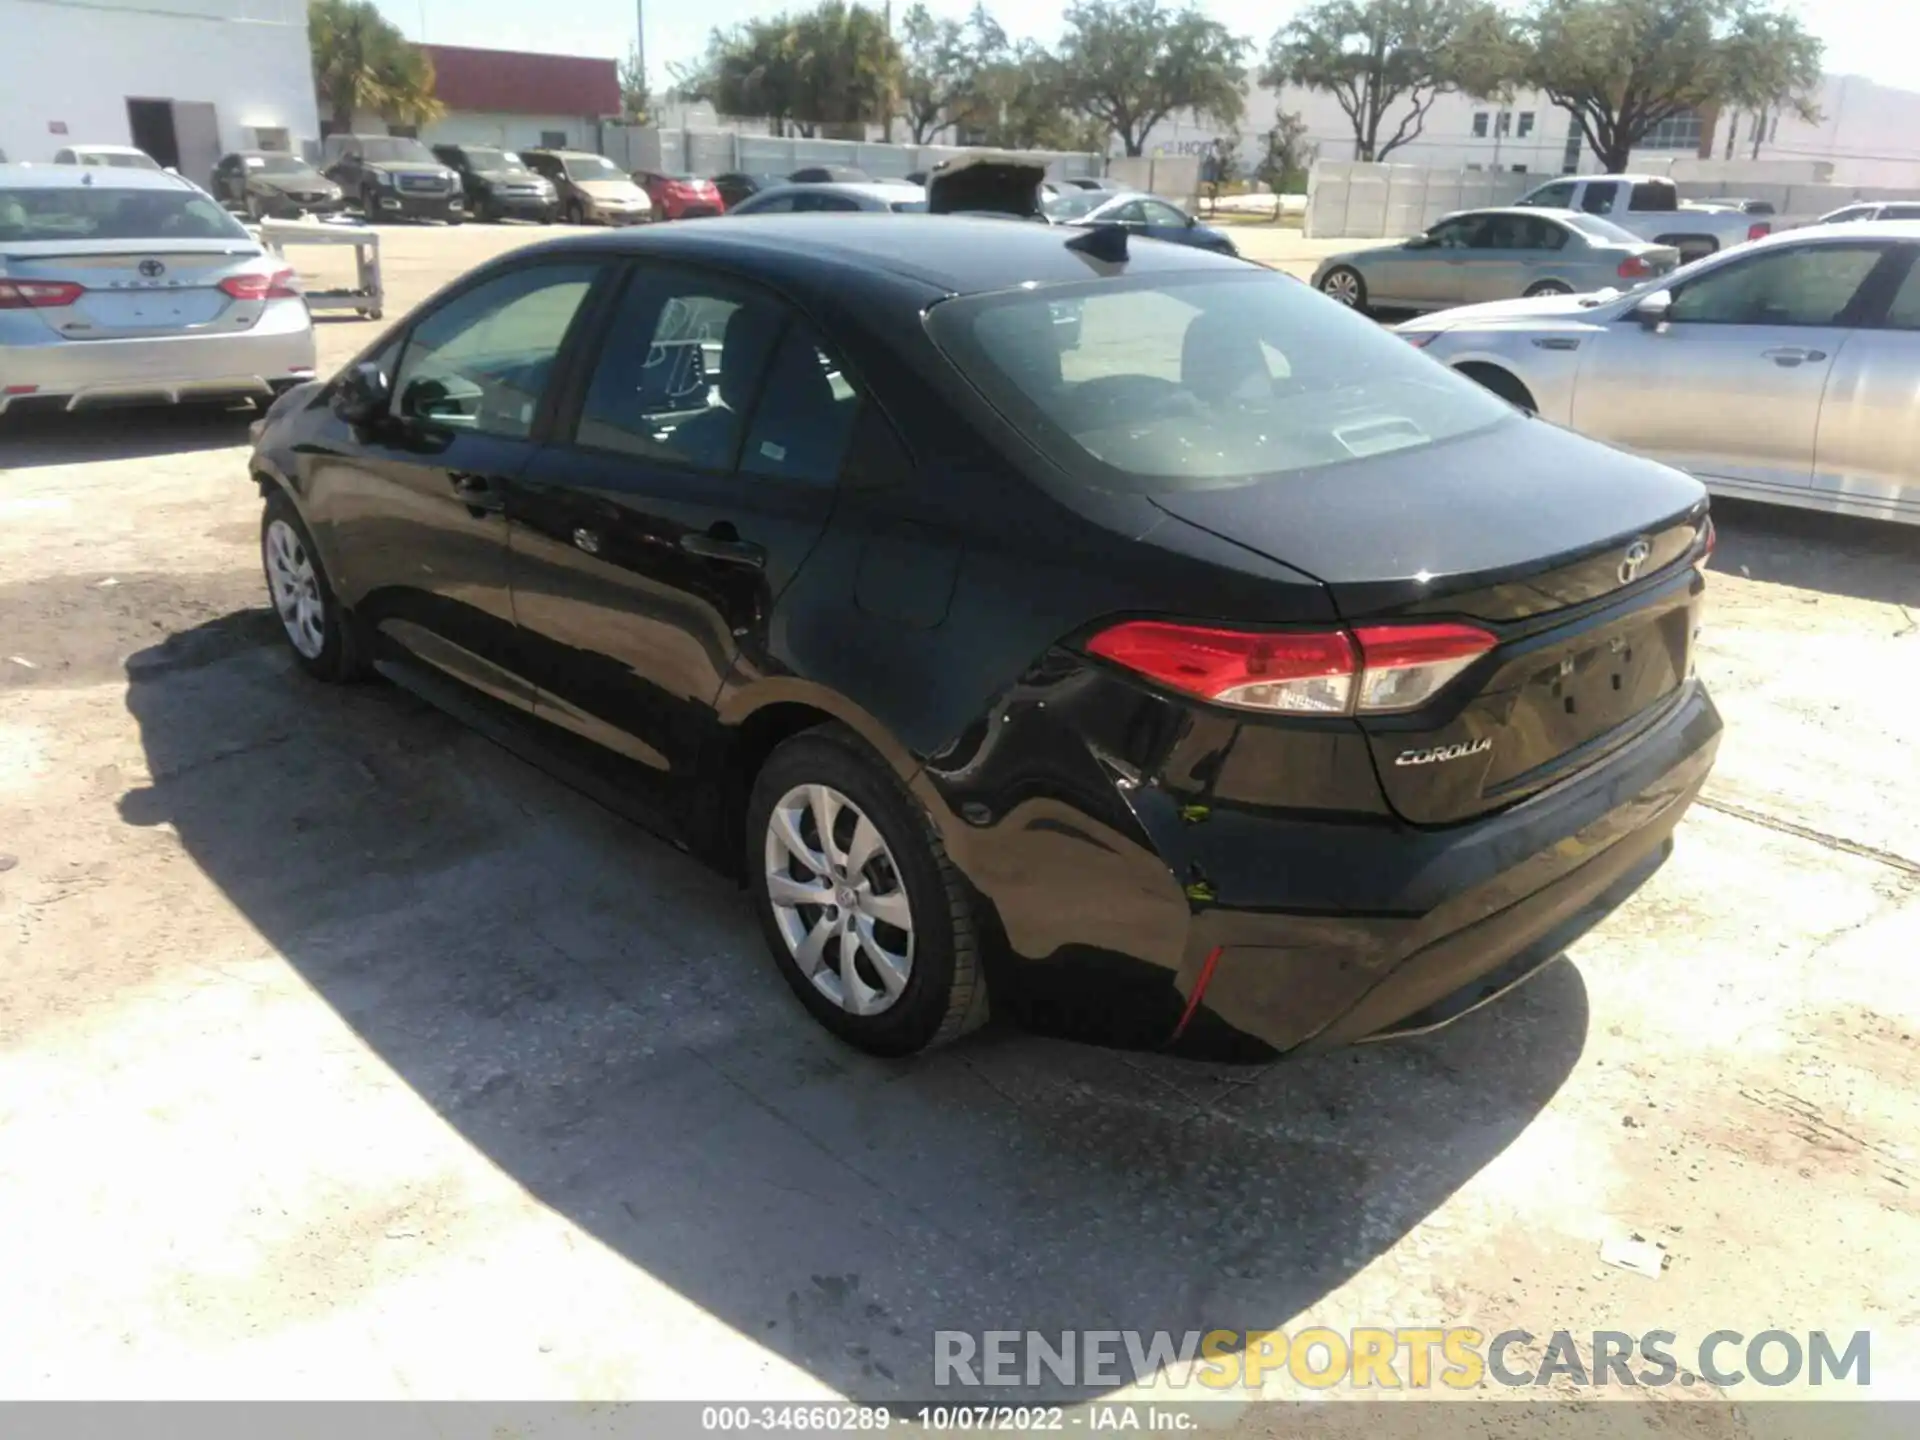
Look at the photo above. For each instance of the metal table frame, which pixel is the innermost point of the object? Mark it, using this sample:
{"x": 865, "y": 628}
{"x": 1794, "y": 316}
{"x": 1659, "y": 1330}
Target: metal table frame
{"x": 367, "y": 298}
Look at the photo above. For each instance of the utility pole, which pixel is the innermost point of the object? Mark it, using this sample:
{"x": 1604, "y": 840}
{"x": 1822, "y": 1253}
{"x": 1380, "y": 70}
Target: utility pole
{"x": 640, "y": 41}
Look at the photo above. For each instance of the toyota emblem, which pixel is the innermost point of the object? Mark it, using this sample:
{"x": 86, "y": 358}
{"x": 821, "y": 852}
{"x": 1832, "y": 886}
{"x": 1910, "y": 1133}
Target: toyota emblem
{"x": 152, "y": 269}
{"x": 1630, "y": 563}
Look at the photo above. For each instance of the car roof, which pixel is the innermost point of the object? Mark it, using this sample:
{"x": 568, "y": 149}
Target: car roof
{"x": 1849, "y": 230}
{"x": 956, "y": 254}
{"x": 888, "y": 190}
{"x": 78, "y": 177}
{"x": 106, "y": 150}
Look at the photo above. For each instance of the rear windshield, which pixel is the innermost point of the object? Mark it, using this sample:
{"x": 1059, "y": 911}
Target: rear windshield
{"x": 1594, "y": 228}
{"x": 99, "y": 212}
{"x": 1196, "y": 382}
{"x": 1073, "y": 206}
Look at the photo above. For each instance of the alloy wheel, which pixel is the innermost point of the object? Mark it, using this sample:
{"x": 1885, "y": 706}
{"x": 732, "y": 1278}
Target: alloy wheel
{"x": 296, "y": 589}
{"x": 1342, "y": 285}
{"x": 838, "y": 899}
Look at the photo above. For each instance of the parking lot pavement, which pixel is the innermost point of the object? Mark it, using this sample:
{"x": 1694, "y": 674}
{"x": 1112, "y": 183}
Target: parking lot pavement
{"x": 341, "y": 1054}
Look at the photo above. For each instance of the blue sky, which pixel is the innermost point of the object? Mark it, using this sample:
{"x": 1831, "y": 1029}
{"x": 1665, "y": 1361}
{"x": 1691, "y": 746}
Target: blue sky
{"x": 1860, "y": 37}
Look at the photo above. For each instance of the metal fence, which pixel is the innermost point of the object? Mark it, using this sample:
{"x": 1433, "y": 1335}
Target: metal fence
{"x": 718, "y": 152}
{"x": 1352, "y": 199}
{"x": 1377, "y": 202}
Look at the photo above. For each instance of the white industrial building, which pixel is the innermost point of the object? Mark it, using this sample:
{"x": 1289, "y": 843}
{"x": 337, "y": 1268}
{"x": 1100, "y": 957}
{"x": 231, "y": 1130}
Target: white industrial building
{"x": 1867, "y": 135}
{"x": 185, "y": 80}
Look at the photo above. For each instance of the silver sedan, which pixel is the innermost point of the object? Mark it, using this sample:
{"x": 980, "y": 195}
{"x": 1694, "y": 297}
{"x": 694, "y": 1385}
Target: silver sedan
{"x": 135, "y": 285}
{"x": 1785, "y": 370}
{"x": 1493, "y": 255}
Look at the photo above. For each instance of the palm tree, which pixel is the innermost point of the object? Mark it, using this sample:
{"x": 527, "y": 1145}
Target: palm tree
{"x": 362, "y": 62}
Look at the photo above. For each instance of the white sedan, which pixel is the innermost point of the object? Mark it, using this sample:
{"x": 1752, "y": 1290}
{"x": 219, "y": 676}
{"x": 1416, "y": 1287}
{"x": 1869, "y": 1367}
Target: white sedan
{"x": 128, "y": 284}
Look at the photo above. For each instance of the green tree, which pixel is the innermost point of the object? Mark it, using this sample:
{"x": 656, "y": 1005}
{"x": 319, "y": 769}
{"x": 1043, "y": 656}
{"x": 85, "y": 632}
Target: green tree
{"x": 1283, "y": 163}
{"x": 1022, "y": 103}
{"x": 1623, "y": 66}
{"x": 1379, "y": 57}
{"x": 1129, "y": 64}
{"x": 942, "y": 65}
{"x": 833, "y": 65}
{"x": 361, "y": 61}
{"x": 636, "y": 105}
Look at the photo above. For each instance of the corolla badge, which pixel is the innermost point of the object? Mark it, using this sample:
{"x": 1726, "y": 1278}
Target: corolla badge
{"x": 1637, "y": 555}
{"x": 1437, "y": 753}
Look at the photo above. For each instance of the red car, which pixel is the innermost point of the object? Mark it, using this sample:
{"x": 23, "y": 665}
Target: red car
{"x": 679, "y": 197}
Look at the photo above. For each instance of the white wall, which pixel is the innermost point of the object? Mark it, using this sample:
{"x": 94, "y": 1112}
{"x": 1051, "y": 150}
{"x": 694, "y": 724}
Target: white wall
{"x": 514, "y": 132}
{"x": 1869, "y": 133}
{"x": 80, "y": 63}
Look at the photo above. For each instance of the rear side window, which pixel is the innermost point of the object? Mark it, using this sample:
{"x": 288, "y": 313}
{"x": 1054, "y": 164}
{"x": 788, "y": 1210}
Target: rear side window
{"x": 98, "y": 212}
{"x": 1183, "y": 381}
{"x": 1901, "y": 212}
{"x": 804, "y": 415}
{"x": 681, "y": 366}
{"x": 1654, "y": 197}
{"x": 1904, "y": 312}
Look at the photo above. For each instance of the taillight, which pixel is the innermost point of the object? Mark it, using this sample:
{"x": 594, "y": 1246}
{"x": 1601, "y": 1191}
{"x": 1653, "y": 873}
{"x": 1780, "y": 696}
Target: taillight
{"x": 1634, "y": 267}
{"x": 278, "y": 286}
{"x": 1404, "y": 666}
{"x": 1759, "y": 228}
{"x": 1375, "y": 669}
{"x": 1708, "y": 539}
{"x": 38, "y": 294}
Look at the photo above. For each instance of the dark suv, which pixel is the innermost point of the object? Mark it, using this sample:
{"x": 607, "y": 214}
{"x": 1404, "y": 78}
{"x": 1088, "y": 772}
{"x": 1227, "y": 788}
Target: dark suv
{"x": 393, "y": 177}
{"x": 498, "y": 183}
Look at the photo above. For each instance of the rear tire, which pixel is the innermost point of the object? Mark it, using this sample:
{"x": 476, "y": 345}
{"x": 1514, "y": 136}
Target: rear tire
{"x": 575, "y": 215}
{"x": 1549, "y": 287}
{"x": 1503, "y": 383}
{"x": 882, "y": 863}
{"x": 321, "y": 634}
{"x": 1345, "y": 284}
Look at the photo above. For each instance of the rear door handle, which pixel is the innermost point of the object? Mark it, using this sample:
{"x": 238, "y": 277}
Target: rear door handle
{"x": 1790, "y": 355}
{"x": 722, "y": 544}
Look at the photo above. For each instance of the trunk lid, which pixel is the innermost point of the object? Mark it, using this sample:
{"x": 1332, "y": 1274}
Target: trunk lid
{"x": 128, "y": 291}
{"x": 985, "y": 181}
{"x": 1573, "y": 556}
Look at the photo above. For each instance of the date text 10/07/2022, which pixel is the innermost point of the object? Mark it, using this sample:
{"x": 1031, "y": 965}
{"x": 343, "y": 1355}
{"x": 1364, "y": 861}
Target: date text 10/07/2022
{"x": 945, "y": 1419}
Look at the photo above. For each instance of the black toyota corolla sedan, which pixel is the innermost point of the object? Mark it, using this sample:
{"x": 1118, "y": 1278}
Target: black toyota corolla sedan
{"x": 1124, "y": 639}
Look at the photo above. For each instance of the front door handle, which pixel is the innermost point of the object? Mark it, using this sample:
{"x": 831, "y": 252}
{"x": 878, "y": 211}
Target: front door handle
{"x": 1791, "y": 355}
{"x": 476, "y": 492}
{"x": 722, "y": 543}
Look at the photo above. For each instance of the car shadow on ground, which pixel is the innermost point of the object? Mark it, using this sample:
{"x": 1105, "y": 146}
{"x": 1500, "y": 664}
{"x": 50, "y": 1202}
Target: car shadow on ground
{"x": 1811, "y": 550}
{"x": 595, "y": 1013}
{"x": 33, "y": 438}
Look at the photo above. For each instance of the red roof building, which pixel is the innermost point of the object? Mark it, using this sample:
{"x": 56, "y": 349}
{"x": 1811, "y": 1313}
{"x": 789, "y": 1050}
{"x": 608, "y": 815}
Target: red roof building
{"x": 512, "y": 82}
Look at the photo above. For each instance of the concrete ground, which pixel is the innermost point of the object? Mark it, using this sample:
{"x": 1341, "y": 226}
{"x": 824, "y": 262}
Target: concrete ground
{"x": 343, "y": 1055}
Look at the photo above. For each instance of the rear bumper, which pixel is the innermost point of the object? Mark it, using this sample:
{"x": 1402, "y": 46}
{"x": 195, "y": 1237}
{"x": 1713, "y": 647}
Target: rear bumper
{"x": 1500, "y": 898}
{"x": 162, "y": 369}
{"x": 1225, "y": 891}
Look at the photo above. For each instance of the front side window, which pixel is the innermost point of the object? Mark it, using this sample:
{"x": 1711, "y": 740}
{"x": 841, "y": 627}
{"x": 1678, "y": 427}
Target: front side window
{"x": 482, "y": 361}
{"x": 1904, "y": 312}
{"x": 1459, "y": 234}
{"x": 816, "y": 200}
{"x": 1174, "y": 382}
{"x": 683, "y": 361}
{"x": 1160, "y": 213}
{"x": 1806, "y": 285}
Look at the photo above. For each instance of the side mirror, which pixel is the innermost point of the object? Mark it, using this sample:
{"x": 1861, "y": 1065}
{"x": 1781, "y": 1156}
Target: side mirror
{"x": 362, "y": 394}
{"x": 1654, "y": 310}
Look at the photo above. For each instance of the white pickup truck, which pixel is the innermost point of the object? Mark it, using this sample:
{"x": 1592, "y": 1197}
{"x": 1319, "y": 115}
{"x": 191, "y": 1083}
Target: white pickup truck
{"x": 1649, "y": 206}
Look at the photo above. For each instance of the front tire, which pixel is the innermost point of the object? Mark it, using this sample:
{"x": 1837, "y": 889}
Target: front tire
{"x": 317, "y": 628}
{"x": 1549, "y": 287}
{"x": 1344, "y": 284}
{"x": 867, "y": 920}
{"x": 575, "y": 215}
